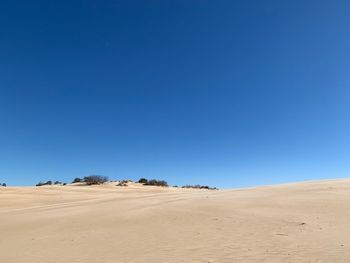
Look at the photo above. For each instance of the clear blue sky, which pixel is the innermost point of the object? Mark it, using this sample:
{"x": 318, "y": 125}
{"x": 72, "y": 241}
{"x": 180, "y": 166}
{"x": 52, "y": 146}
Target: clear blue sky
{"x": 224, "y": 93}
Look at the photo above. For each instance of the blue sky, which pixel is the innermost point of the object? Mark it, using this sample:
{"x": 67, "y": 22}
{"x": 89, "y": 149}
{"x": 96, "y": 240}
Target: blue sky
{"x": 224, "y": 93}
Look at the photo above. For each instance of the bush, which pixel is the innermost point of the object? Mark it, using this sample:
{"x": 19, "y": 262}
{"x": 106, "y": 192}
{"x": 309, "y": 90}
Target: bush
{"x": 64, "y": 183}
{"x": 4, "y": 185}
{"x": 143, "y": 181}
{"x": 58, "y": 182}
{"x": 77, "y": 180}
{"x": 44, "y": 183}
{"x": 156, "y": 182}
{"x": 95, "y": 179}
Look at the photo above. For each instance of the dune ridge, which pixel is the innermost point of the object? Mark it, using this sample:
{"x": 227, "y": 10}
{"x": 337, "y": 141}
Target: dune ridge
{"x": 298, "y": 222}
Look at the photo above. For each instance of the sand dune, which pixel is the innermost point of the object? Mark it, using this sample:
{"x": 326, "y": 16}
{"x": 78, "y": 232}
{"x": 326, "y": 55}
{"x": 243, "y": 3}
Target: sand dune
{"x": 303, "y": 222}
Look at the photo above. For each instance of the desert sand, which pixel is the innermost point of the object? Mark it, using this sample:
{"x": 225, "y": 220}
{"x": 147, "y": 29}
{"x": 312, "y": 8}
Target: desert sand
{"x": 299, "y": 222}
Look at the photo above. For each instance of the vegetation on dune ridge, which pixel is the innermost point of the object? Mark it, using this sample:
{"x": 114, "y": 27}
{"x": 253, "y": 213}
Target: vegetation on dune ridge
{"x": 89, "y": 180}
{"x": 3, "y": 184}
{"x": 197, "y": 186}
{"x": 155, "y": 182}
{"x": 95, "y": 179}
{"x": 143, "y": 181}
{"x": 44, "y": 183}
{"x": 41, "y": 183}
{"x": 100, "y": 179}
{"x": 77, "y": 180}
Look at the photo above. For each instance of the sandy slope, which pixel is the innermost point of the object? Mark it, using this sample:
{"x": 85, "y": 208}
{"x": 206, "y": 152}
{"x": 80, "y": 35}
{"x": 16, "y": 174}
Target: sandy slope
{"x": 305, "y": 222}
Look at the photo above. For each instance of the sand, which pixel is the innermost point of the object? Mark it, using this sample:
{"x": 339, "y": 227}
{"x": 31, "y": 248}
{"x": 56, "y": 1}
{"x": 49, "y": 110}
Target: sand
{"x": 301, "y": 222}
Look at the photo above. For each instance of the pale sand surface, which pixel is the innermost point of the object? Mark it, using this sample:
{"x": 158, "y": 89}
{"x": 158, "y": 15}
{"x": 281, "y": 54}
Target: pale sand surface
{"x": 302, "y": 222}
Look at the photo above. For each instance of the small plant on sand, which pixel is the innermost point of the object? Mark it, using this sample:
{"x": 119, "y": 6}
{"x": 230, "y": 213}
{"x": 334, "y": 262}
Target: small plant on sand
{"x": 123, "y": 183}
{"x": 95, "y": 179}
{"x": 57, "y": 182}
{"x": 4, "y": 185}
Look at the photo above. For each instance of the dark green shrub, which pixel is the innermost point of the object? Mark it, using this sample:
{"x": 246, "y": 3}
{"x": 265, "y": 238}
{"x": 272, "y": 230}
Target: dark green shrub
{"x": 157, "y": 182}
{"x": 44, "y": 183}
{"x": 143, "y": 181}
{"x": 197, "y": 186}
{"x": 77, "y": 180}
{"x": 58, "y": 182}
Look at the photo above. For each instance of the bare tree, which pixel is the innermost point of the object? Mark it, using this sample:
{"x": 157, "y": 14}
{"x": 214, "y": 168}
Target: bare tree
{"x": 95, "y": 179}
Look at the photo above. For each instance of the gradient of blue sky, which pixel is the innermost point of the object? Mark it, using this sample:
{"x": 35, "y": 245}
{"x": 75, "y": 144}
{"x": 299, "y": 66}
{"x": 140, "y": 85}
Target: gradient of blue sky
{"x": 225, "y": 93}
